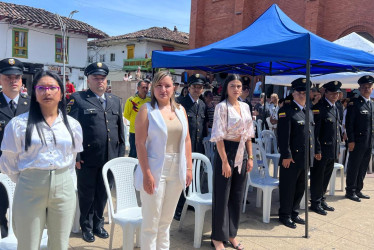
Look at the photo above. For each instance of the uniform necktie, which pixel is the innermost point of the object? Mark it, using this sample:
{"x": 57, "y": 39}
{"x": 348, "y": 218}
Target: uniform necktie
{"x": 102, "y": 101}
{"x": 197, "y": 106}
{"x": 12, "y": 106}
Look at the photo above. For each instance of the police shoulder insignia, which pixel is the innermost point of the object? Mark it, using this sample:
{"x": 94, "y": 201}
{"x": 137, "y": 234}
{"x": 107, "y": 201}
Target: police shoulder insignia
{"x": 350, "y": 103}
{"x": 71, "y": 102}
{"x": 315, "y": 111}
{"x": 281, "y": 115}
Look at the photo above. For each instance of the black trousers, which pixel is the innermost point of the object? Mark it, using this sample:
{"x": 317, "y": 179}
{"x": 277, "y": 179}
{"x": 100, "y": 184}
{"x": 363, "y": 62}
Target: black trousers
{"x": 291, "y": 190}
{"x": 132, "y": 152}
{"x": 358, "y": 163}
{"x": 320, "y": 175}
{"x": 4, "y": 205}
{"x": 92, "y": 197}
{"x": 228, "y": 195}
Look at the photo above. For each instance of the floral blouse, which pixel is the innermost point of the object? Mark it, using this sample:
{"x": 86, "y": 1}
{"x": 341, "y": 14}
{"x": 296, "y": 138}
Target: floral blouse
{"x": 233, "y": 126}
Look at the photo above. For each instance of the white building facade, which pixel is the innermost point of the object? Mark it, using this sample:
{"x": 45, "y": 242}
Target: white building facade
{"x": 38, "y": 43}
{"x": 124, "y": 54}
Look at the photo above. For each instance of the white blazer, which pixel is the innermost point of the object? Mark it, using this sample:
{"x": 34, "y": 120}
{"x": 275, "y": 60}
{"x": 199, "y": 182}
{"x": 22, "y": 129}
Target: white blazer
{"x": 156, "y": 147}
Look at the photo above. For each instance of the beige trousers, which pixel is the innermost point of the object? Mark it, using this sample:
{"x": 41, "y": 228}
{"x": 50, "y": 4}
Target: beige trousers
{"x": 44, "y": 197}
{"x": 158, "y": 208}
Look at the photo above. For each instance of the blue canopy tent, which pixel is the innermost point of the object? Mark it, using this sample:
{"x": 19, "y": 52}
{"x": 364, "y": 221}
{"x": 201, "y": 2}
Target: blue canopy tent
{"x": 272, "y": 45}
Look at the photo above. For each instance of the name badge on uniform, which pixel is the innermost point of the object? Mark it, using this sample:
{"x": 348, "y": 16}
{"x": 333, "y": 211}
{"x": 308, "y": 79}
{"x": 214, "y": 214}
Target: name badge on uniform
{"x": 364, "y": 112}
{"x": 89, "y": 111}
{"x": 301, "y": 122}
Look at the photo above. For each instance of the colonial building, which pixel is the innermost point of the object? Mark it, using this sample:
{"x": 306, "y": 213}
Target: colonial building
{"x": 34, "y": 36}
{"x": 213, "y": 20}
{"x": 124, "y": 54}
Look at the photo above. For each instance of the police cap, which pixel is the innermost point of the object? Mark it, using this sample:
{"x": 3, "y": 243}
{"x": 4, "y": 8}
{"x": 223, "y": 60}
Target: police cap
{"x": 11, "y": 66}
{"x": 333, "y": 86}
{"x": 97, "y": 68}
{"x": 299, "y": 84}
{"x": 365, "y": 79}
{"x": 197, "y": 79}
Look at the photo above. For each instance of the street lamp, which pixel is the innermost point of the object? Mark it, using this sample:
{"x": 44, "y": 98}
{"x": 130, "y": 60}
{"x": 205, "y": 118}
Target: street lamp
{"x": 64, "y": 33}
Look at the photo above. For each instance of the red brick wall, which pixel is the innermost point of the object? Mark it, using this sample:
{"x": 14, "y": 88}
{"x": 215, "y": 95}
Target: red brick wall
{"x": 213, "y": 20}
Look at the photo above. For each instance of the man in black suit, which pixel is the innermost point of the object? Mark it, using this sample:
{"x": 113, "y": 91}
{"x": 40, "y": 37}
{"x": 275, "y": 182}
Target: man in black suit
{"x": 291, "y": 141}
{"x": 100, "y": 115}
{"x": 197, "y": 118}
{"x": 12, "y": 103}
{"x": 360, "y": 131}
{"x": 327, "y": 141}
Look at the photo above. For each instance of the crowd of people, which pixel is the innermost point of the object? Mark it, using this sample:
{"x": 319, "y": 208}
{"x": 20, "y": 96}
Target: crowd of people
{"x": 46, "y": 136}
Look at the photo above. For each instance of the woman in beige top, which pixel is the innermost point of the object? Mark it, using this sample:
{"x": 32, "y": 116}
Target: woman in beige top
{"x": 164, "y": 151}
{"x": 232, "y": 131}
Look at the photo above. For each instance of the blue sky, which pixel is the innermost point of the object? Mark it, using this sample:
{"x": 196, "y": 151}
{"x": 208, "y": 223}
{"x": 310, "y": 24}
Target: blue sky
{"x": 118, "y": 17}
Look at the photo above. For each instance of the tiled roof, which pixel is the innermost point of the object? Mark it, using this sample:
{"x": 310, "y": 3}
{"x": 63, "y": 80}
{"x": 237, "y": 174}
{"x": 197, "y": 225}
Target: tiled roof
{"x": 25, "y": 15}
{"x": 151, "y": 33}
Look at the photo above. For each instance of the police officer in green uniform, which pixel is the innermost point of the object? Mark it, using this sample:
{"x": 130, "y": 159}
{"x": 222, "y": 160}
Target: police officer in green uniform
{"x": 291, "y": 141}
{"x": 100, "y": 115}
{"x": 327, "y": 141}
{"x": 360, "y": 131}
{"x": 12, "y": 103}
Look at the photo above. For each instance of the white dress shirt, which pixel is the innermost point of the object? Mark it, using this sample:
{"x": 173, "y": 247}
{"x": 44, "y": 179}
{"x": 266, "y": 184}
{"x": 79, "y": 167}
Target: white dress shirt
{"x": 51, "y": 156}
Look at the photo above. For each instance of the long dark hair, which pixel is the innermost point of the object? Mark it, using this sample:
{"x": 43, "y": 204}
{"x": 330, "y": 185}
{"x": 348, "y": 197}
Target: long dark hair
{"x": 35, "y": 114}
{"x": 230, "y": 78}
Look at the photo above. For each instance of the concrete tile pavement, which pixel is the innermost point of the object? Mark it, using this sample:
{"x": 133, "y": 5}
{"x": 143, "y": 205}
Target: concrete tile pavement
{"x": 350, "y": 226}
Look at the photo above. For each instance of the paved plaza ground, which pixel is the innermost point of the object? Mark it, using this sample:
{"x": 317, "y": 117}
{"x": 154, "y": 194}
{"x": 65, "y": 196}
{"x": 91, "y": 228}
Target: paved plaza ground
{"x": 350, "y": 226}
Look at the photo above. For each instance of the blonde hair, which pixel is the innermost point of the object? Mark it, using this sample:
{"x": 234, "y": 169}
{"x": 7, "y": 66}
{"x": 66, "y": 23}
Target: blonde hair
{"x": 156, "y": 79}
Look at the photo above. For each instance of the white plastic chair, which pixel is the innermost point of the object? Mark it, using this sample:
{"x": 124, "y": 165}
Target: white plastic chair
{"x": 271, "y": 148}
{"x": 337, "y": 166}
{"x": 10, "y": 242}
{"x": 265, "y": 185}
{"x": 127, "y": 212}
{"x": 200, "y": 202}
{"x": 209, "y": 149}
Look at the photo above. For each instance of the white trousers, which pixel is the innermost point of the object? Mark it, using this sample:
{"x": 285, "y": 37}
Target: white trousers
{"x": 44, "y": 197}
{"x": 158, "y": 208}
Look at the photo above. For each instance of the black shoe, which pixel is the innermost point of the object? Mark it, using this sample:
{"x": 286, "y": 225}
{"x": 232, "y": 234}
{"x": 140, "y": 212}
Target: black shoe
{"x": 298, "y": 220}
{"x": 353, "y": 197}
{"x": 362, "y": 196}
{"x": 177, "y": 216}
{"x": 101, "y": 233}
{"x": 88, "y": 236}
{"x": 318, "y": 209}
{"x": 288, "y": 222}
{"x": 326, "y": 207}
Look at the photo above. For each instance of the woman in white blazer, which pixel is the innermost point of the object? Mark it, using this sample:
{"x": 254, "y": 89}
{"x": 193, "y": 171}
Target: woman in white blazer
{"x": 164, "y": 151}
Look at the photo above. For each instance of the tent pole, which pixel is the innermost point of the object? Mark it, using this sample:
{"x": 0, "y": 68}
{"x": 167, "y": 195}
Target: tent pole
{"x": 264, "y": 107}
{"x": 307, "y": 147}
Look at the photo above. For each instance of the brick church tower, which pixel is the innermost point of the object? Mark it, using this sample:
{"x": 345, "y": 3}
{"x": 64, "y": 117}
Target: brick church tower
{"x": 213, "y": 20}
